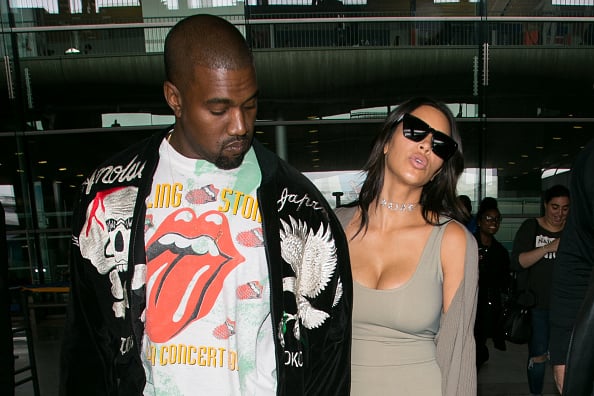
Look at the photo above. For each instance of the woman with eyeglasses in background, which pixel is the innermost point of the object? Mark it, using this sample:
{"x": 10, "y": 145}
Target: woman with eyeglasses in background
{"x": 414, "y": 264}
{"x": 533, "y": 257}
{"x": 494, "y": 280}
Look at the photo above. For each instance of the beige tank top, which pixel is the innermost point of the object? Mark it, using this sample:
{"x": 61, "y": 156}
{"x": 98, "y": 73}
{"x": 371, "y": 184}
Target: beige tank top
{"x": 398, "y": 326}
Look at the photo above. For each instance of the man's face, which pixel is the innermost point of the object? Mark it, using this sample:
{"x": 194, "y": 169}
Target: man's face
{"x": 215, "y": 114}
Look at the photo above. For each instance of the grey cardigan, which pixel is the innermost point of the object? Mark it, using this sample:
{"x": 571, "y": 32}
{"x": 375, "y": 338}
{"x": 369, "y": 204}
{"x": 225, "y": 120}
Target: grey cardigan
{"x": 456, "y": 351}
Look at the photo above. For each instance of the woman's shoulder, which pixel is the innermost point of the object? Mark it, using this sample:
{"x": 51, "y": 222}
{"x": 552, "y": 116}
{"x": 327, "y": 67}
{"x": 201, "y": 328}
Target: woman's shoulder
{"x": 456, "y": 232}
{"x": 528, "y": 227}
{"x": 452, "y": 226}
{"x": 532, "y": 222}
{"x": 457, "y": 241}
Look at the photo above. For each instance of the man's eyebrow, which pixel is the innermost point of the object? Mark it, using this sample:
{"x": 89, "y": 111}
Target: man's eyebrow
{"x": 228, "y": 101}
{"x": 218, "y": 101}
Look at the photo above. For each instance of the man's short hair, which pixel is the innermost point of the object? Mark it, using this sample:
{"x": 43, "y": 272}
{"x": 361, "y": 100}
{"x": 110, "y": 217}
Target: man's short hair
{"x": 204, "y": 40}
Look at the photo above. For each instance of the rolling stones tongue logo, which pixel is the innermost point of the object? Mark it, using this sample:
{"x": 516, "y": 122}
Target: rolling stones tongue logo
{"x": 189, "y": 258}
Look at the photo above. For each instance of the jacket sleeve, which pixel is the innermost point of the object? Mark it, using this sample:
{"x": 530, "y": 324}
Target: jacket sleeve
{"x": 330, "y": 373}
{"x": 456, "y": 349}
{"x": 573, "y": 265}
{"x": 85, "y": 359}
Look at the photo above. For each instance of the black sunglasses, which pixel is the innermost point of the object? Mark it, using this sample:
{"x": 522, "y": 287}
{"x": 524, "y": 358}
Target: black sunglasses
{"x": 415, "y": 129}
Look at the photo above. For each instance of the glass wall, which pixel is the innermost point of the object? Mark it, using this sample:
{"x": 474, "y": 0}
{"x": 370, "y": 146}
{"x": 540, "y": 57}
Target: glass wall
{"x": 83, "y": 80}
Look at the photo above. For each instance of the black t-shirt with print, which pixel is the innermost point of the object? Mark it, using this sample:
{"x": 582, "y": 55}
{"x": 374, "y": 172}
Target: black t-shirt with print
{"x": 531, "y": 235}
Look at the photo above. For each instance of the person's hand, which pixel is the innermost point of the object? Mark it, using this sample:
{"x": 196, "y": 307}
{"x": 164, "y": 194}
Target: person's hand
{"x": 553, "y": 246}
{"x": 559, "y": 375}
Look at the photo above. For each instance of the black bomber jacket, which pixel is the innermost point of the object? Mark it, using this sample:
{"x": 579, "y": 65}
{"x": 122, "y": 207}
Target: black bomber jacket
{"x": 104, "y": 327}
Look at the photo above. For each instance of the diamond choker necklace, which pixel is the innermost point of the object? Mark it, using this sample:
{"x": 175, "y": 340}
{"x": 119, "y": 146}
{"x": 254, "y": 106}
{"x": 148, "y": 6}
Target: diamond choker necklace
{"x": 398, "y": 207}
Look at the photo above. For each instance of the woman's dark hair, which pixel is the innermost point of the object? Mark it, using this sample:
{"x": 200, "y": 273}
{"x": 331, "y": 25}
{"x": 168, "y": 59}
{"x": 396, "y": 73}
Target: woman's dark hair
{"x": 557, "y": 190}
{"x": 486, "y": 204}
{"x": 439, "y": 195}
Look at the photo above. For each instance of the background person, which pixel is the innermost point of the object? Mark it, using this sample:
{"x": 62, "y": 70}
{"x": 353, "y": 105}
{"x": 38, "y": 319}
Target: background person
{"x": 414, "y": 266}
{"x": 533, "y": 256}
{"x": 467, "y": 203}
{"x": 573, "y": 363}
{"x": 201, "y": 262}
{"x": 494, "y": 280}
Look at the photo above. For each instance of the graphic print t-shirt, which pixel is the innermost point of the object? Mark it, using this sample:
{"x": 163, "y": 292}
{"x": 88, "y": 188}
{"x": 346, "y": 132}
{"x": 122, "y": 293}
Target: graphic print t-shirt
{"x": 541, "y": 273}
{"x": 208, "y": 327}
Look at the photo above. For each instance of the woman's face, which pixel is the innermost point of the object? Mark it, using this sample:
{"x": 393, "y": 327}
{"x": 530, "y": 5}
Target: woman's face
{"x": 414, "y": 163}
{"x": 556, "y": 211}
{"x": 489, "y": 222}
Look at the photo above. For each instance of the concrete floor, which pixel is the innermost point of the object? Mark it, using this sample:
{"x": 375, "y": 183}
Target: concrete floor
{"x": 503, "y": 375}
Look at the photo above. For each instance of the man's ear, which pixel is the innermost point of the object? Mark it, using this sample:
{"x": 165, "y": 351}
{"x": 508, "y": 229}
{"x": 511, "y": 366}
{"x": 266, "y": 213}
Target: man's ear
{"x": 173, "y": 98}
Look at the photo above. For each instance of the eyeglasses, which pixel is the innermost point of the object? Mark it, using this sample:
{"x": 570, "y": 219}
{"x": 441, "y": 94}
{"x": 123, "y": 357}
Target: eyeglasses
{"x": 492, "y": 219}
{"x": 415, "y": 129}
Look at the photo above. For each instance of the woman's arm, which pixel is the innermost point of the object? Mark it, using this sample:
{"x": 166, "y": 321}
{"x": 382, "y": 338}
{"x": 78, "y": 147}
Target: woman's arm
{"x": 524, "y": 241}
{"x": 529, "y": 258}
{"x": 453, "y": 250}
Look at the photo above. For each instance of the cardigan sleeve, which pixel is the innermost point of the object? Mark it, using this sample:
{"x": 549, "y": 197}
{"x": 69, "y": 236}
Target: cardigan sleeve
{"x": 456, "y": 349}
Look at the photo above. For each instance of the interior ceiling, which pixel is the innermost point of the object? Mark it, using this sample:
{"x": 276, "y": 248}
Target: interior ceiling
{"x": 296, "y": 84}
{"x": 524, "y": 83}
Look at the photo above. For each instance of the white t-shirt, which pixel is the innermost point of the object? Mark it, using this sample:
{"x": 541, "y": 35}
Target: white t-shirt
{"x": 208, "y": 326}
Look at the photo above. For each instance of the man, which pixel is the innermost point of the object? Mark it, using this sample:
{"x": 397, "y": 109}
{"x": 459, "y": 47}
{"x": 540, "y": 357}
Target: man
{"x": 202, "y": 263}
{"x": 572, "y": 353}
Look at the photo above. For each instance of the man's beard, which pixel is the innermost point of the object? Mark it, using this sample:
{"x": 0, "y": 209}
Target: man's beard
{"x": 233, "y": 161}
{"x": 227, "y": 163}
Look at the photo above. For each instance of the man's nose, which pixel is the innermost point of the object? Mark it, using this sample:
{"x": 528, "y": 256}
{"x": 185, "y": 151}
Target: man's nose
{"x": 237, "y": 125}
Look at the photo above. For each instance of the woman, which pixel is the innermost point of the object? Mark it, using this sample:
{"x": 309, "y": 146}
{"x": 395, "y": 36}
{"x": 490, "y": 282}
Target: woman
{"x": 414, "y": 267}
{"x": 533, "y": 256}
{"x": 494, "y": 278}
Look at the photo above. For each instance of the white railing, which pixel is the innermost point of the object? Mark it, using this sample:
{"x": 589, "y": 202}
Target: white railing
{"x": 148, "y": 37}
